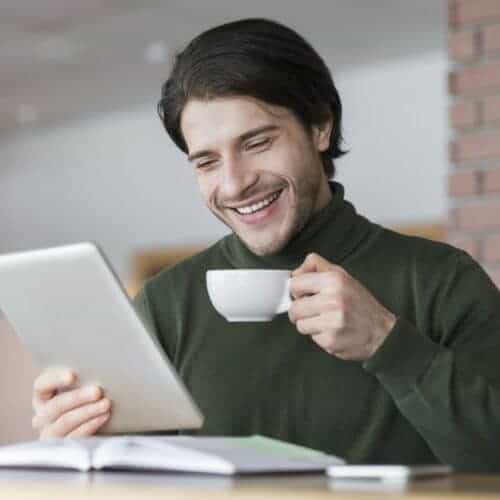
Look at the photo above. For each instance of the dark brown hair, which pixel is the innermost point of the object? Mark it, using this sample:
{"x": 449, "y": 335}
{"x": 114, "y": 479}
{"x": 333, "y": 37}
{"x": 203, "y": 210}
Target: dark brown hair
{"x": 258, "y": 58}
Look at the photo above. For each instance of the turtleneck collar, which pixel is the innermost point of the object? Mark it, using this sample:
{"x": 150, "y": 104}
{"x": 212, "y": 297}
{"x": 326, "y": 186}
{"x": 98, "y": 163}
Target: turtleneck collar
{"x": 333, "y": 232}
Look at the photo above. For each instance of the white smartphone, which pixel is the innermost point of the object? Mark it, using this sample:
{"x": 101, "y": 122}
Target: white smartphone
{"x": 387, "y": 472}
{"x": 70, "y": 310}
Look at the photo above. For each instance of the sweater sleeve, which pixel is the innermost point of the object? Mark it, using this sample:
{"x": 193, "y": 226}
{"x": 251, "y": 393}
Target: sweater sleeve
{"x": 450, "y": 391}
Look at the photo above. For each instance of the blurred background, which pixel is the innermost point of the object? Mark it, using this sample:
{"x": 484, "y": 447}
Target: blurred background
{"x": 83, "y": 155}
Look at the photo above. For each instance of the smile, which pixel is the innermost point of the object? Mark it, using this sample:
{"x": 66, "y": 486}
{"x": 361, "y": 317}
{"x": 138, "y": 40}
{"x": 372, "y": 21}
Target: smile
{"x": 256, "y": 207}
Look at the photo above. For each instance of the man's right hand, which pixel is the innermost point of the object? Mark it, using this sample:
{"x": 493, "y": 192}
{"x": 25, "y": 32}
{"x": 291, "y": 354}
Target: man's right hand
{"x": 64, "y": 410}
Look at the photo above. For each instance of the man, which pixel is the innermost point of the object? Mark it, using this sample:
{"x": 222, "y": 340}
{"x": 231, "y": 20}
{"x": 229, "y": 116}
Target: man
{"x": 389, "y": 351}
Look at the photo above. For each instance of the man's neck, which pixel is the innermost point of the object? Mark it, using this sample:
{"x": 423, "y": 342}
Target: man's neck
{"x": 324, "y": 196}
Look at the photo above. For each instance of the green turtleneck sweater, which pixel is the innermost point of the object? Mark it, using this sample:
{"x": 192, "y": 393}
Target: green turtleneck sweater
{"x": 431, "y": 392}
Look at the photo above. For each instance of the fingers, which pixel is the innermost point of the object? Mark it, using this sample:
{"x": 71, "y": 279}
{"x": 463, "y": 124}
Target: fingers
{"x": 64, "y": 402}
{"x": 331, "y": 324}
{"x": 328, "y": 283}
{"x": 82, "y": 421}
{"x": 49, "y": 382}
{"x": 313, "y": 263}
{"x": 309, "y": 326}
{"x": 332, "y": 280}
{"x": 331, "y": 344}
{"x": 90, "y": 427}
{"x": 308, "y": 307}
{"x": 305, "y": 284}
{"x": 62, "y": 410}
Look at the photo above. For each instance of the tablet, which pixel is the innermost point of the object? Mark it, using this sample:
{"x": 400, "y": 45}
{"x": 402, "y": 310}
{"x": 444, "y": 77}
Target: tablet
{"x": 387, "y": 472}
{"x": 70, "y": 310}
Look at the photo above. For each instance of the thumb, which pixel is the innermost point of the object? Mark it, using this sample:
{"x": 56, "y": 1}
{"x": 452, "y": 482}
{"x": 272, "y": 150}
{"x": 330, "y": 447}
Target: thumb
{"x": 313, "y": 263}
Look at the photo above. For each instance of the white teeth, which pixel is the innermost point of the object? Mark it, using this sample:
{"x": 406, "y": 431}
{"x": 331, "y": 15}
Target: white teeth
{"x": 258, "y": 206}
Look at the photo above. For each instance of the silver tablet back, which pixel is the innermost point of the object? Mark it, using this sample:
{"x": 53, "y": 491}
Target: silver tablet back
{"x": 70, "y": 310}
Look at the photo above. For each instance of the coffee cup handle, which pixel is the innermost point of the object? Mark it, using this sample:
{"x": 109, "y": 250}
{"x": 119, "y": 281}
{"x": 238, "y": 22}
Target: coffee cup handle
{"x": 286, "y": 300}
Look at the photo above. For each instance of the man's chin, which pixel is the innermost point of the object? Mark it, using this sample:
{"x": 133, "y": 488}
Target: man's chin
{"x": 264, "y": 248}
{"x": 261, "y": 245}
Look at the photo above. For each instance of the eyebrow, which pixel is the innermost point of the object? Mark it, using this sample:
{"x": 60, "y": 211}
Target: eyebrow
{"x": 240, "y": 139}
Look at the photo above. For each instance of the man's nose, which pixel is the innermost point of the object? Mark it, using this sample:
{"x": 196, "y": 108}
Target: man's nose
{"x": 237, "y": 177}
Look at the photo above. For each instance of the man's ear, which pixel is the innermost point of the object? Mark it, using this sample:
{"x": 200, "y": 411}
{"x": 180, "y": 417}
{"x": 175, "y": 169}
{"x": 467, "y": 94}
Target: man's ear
{"x": 321, "y": 134}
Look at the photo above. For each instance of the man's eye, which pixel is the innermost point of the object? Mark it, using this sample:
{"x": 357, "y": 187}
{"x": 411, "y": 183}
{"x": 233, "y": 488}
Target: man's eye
{"x": 205, "y": 164}
{"x": 258, "y": 144}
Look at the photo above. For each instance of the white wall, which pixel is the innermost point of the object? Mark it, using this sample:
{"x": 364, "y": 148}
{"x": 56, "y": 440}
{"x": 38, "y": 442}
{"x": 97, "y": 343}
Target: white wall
{"x": 118, "y": 179}
{"x": 396, "y": 129}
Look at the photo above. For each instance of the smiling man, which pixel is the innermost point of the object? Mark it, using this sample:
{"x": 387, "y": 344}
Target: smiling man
{"x": 258, "y": 169}
{"x": 389, "y": 351}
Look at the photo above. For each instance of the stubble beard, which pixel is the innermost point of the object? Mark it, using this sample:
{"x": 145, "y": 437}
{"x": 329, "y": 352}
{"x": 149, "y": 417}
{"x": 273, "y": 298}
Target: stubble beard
{"x": 307, "y": 194}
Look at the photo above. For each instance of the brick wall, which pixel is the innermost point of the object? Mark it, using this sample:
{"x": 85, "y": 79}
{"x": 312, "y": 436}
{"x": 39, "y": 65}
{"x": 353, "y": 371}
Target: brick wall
{"x": 474, "y": 114}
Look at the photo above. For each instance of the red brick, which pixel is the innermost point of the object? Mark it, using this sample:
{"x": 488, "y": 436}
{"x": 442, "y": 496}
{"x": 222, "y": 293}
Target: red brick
{"x": 491, "y": 109}
{"x": 491, "y": 39}
{"x": 491, "y": 181}
{"x": 481, "y": 79}
{"x": 463, "y": 45}
{"x": 452, "y": 14}
{"x": 483, "y": 216}
{"x": 475, "y": 146}
{"x": 453, "y": 151}
{"x": 463, "y": 183}
{"x": 491, "y": 250}
{"x": 476, "y": 11}
{"x": 464, "y": 114}
{"x": 466, "y": 243}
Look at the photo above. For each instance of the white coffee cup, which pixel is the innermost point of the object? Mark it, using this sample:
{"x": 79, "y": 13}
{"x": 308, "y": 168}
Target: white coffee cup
{"x": 249, "y": 294}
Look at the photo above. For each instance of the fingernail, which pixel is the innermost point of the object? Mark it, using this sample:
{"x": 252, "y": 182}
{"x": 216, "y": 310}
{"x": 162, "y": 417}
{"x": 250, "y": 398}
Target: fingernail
{"x": 104, "y": 404}
{"x": 93, "y": 391}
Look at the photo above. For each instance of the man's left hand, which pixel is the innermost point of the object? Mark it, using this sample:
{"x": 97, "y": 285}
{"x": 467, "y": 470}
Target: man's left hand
{"x": 339, "y": 313}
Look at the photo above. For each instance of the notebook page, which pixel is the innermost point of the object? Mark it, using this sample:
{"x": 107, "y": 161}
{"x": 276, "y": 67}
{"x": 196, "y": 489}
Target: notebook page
{"x": 57, "y": 453}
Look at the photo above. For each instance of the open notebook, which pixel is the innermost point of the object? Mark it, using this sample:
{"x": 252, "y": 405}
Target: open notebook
{"x": 214, "y": 455}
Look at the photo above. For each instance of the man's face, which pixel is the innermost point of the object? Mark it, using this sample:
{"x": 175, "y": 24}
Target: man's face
{"x": 258, "y": 169}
